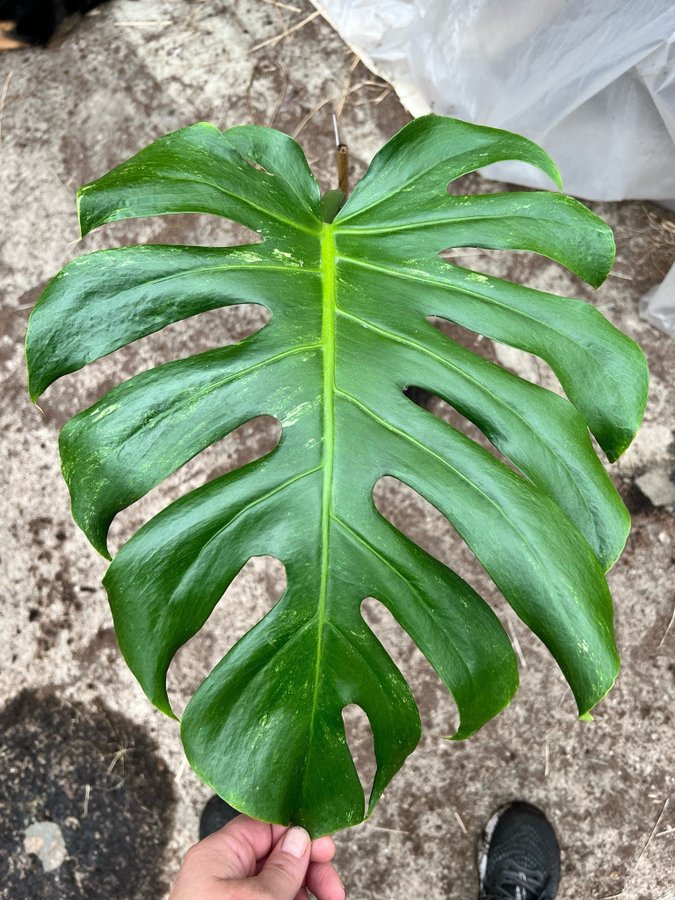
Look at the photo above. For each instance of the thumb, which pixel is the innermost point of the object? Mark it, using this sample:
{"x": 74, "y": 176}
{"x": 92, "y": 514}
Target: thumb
{"x": 284, "y": 871}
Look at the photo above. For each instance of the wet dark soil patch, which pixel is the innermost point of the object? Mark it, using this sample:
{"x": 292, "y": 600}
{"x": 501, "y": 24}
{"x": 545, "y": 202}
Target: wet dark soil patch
{"x": 99, "y": 778}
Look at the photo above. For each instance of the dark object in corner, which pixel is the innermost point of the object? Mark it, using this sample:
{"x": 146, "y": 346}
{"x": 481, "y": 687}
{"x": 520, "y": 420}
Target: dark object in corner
{"x": 36, "y": 20}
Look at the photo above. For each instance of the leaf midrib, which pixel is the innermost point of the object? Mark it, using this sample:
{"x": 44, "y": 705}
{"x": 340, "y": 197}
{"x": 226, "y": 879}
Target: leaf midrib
{"x": 328, "y": 312}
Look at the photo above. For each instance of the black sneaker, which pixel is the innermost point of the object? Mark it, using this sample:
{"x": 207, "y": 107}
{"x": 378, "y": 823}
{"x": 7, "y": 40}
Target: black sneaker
{"x": 518, "y": 856}
{"x": 215, "y": 815}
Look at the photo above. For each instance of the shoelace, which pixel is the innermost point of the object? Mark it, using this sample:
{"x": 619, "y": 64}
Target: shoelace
{"x": 519, "y": 883}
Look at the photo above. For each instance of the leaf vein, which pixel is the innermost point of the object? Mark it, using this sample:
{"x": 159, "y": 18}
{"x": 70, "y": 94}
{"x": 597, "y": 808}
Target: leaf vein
{"x": 534, "y": 557}
{"x": 386, "y": 562}
{"x": 415, "y": 345}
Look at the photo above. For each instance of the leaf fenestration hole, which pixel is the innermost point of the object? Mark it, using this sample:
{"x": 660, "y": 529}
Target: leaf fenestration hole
{"x": 522, "y": 363}
{"x": 251, "y": 595}
{"x": 443, "y": 410}
{"x": 250, "y": 441}
{"x": 524, "y": 267}
{"x": 182, "y": 229}
{"x": 527, "y": 366}
{"x": 415, "y": 517}
{"x": 420, "y": 521}
{"x": 359, "y": 737}
{"x": 464, "y": 336}
{"x": 204, "y": 331}
{"x": 435, "y": 704}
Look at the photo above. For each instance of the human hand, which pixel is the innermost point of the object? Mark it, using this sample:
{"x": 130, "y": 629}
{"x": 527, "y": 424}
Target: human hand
{"x": 251, "y": 860}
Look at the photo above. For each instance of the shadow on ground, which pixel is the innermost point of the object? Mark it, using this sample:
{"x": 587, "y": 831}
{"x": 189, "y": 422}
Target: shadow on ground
{"x": 93, "y": 793}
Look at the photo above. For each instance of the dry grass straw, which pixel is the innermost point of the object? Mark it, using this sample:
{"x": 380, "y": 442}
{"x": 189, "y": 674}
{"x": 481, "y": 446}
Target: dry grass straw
{"x": 288, "y": 31}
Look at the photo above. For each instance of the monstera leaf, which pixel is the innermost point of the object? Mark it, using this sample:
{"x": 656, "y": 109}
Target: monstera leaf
{"x": 350, "y": 301}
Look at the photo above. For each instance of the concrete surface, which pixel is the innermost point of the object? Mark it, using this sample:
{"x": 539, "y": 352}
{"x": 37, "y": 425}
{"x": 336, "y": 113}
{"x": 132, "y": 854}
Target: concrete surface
{"x": 127, "y": 74}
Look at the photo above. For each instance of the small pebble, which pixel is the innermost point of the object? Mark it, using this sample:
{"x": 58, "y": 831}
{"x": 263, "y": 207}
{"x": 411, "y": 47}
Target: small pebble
{"x": 45, "y": 840}
{"x": 656, "y": 485}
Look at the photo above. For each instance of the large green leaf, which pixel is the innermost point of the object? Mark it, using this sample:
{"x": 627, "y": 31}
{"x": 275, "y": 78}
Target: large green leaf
{"x": 349, "y": 331}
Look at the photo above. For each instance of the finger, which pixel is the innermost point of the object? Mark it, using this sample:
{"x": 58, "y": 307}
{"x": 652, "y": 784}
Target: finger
{"x": 323, "y": 849}
{"x": 233, "y": 851}
{"x": 324, "y": 882}
{"x": 260, "y": 837}
{"x": 283, "y": 873}
{"x": 205, "y": 869}
{"x": 278, "y": 831}
{"x": 302, "y": 895}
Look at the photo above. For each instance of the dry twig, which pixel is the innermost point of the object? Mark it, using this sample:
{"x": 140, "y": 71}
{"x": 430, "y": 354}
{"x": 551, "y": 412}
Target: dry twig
{"x": 668, "y": 627}
{"x": 294, "y": 9}
{"x": 516, "y": 642}
{"x": 664, "y": 807}
{"x": 383, "y": 828}
{"x": 3, "y": 98}
{"x": 460, "y": 822}
{"x": 346, "y": 89}
{"x": 85, "y": 805}
{"x": 310, "y": 115}
{"x": 140, "y": 23}
{"x": 181, "y": 770}
{"x": 282, "y": 94}
{"x": 284, "y": 34}
{"x": 68, "y": 194}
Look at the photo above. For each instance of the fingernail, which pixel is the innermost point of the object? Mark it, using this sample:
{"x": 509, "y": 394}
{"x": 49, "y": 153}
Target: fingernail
{"x": 296, "y": 842}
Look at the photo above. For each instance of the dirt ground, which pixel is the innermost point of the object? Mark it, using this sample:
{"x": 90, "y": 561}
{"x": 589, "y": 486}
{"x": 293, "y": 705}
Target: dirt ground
{"x": 80, "y": 745}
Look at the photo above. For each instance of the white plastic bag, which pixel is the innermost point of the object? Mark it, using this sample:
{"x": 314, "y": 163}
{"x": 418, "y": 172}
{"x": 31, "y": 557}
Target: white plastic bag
{"x": 592, "y": 81}
{"x": 658, "y": 305}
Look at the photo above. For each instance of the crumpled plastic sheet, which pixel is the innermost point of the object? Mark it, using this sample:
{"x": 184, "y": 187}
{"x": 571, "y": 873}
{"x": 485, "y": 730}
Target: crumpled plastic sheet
{"x": 657, "y": 306}
{"x": 592, "y": 81}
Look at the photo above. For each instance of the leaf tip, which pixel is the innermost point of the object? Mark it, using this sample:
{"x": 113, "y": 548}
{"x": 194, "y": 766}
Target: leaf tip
{"x": 462, "y": 734}
{"x": 164, "y": 706}
{"x": 605, "y": 257}
{"x": 586, "y": 708}
{"x": 95, "y": 532}
{"x": 78, "y": 201}
{"x": 98, "y": 542}
{"x": 35, "y": 385}
{"x": 35, "y": 389}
